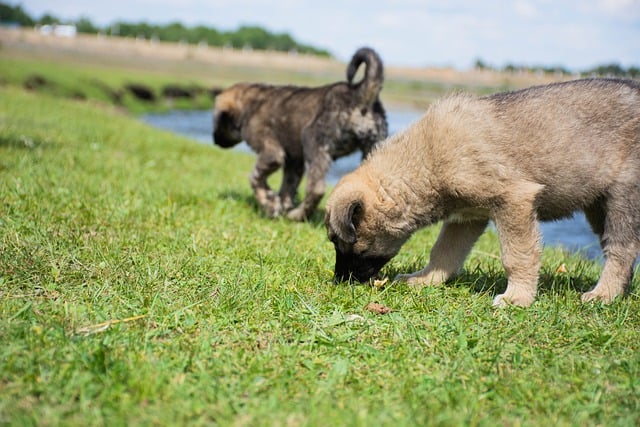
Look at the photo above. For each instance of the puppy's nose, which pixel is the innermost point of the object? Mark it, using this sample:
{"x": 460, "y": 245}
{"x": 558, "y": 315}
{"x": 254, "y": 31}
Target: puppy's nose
{"x": 351, "y": 277}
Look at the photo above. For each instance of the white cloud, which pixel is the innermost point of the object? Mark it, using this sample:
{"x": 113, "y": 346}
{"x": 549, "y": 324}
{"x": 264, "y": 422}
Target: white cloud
{"x": 625, "y": 10}
{"x": 525, "y": 9}
{"x": 617, "y": 6}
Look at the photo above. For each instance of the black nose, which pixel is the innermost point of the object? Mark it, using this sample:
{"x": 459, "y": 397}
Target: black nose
{"x": 350, "y": 267}
{"x": 348, "y": 277}
{"x": 222, "y": 140}
{"x": 353, "y": 276}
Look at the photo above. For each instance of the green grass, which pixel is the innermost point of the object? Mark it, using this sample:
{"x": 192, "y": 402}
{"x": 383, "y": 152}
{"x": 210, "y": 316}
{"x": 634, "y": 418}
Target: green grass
{"x": 139, "y": 285}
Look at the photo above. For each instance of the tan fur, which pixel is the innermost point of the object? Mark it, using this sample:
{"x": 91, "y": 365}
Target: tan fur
{"x": 513, "y": 158}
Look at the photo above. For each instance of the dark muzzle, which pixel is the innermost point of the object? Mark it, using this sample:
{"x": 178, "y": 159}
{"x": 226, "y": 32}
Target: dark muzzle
{"x": 350, "y": 267}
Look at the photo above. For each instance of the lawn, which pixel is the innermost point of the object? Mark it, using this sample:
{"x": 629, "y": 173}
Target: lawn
{"x": 140, "y": 285}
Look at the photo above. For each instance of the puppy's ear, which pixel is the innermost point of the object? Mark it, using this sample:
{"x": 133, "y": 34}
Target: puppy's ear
{"x": 344, "y": 219}
{"x": 224, "y": 118}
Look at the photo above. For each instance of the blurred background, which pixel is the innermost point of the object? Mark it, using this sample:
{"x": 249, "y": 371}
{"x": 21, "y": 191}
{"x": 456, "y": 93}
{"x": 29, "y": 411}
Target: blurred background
{"x": 571, "y": 35}
{"x": 165, "y": 60}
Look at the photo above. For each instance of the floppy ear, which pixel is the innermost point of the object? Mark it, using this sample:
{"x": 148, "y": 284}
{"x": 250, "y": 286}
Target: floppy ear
{"x": 226, "y": 108}
{"x": 344, "y": 219}
{"x": 222, "y": 119}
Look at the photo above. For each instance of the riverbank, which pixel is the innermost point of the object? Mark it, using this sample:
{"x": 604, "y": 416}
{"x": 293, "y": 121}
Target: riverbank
{"x": 209, "y": 67}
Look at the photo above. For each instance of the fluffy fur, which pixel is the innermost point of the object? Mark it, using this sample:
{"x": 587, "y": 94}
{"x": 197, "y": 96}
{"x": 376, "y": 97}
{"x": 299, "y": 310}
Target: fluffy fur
{"x": 515, "y": 158}
{"x": 301, "y": 128}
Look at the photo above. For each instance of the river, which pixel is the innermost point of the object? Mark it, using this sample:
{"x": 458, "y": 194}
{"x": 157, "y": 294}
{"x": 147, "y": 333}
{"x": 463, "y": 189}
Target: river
{"x": 573, "y": 233}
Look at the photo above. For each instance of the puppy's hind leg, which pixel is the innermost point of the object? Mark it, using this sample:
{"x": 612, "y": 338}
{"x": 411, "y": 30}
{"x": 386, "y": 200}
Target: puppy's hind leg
{"x": 620, "y": 243}
{"x": 318, "y": 161}
{"x": 292, "y": 175}
{"x": 269, "y": 160}
{"x": 447, "y": 254}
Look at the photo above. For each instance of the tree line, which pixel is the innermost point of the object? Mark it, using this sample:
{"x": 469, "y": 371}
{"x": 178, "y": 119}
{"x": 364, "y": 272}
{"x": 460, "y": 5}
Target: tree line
{"x": 610, "y": 70}
{"x": 251, "y": 37}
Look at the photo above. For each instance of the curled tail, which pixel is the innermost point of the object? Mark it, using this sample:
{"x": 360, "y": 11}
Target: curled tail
{"x": 370, "y": 86}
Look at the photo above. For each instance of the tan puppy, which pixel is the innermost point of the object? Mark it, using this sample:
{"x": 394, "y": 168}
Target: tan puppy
{"x": 515, "y": 158}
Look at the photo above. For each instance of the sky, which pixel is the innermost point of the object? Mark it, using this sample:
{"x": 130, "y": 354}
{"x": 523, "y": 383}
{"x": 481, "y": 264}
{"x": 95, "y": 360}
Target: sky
{"x": 575, "y": 34}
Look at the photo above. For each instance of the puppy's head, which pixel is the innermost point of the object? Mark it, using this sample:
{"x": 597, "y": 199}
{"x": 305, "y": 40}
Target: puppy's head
{"x": 359, "y": 222}
{"x": 227, "y": 129}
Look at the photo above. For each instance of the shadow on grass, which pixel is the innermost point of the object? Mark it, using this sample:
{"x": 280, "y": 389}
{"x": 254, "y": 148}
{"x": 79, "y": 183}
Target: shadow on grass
{"x": 241, "y": 197}
{"x": 20, "y": 142}
{"x": 248, "y": 199}
{"x": 494, "y": 281}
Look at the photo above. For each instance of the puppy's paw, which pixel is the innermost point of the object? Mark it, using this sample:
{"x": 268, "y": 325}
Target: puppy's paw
{"x": 273, "y": 210}
{"x": 505, "y": 300}
{"x": 287, "y": 203}
{"x": 270, "y": 203}
{"x": 419, "y": 279}
{"x": 501, "y": 301}
{"x": 595, "y": 296}
{"x": 409, "y": 280}
{"x": 297, "y": 214}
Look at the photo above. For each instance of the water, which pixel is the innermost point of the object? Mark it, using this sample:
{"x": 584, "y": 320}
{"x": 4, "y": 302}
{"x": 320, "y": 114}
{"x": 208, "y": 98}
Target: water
{"x": 198, "y": 125}
{"x": 573, "y": 233}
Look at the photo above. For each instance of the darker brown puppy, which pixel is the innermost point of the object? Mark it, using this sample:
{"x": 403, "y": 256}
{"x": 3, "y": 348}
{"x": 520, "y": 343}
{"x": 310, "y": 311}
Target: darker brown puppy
{"x": 301, "y": 128}
{"x": 515, "y": 158}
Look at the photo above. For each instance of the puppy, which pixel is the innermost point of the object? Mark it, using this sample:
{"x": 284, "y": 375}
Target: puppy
{"x": 300, "y": 128}
{"x": 514, "y": 158}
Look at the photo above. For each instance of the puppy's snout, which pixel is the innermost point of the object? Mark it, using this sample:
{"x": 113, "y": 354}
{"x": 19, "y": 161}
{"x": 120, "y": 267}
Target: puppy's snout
{"x": 344, "y": 276}
{"x": 350, "y": 267}
{"x": 351, "y": 277}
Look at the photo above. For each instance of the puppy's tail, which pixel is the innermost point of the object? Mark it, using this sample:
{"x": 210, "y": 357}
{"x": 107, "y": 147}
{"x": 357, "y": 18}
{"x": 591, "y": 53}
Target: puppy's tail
{"x": 371, "y": 85}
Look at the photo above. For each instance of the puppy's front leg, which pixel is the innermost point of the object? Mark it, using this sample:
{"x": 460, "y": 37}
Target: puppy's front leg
{"x": 448, "y": 253}
{"x": 520, "y": 243}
